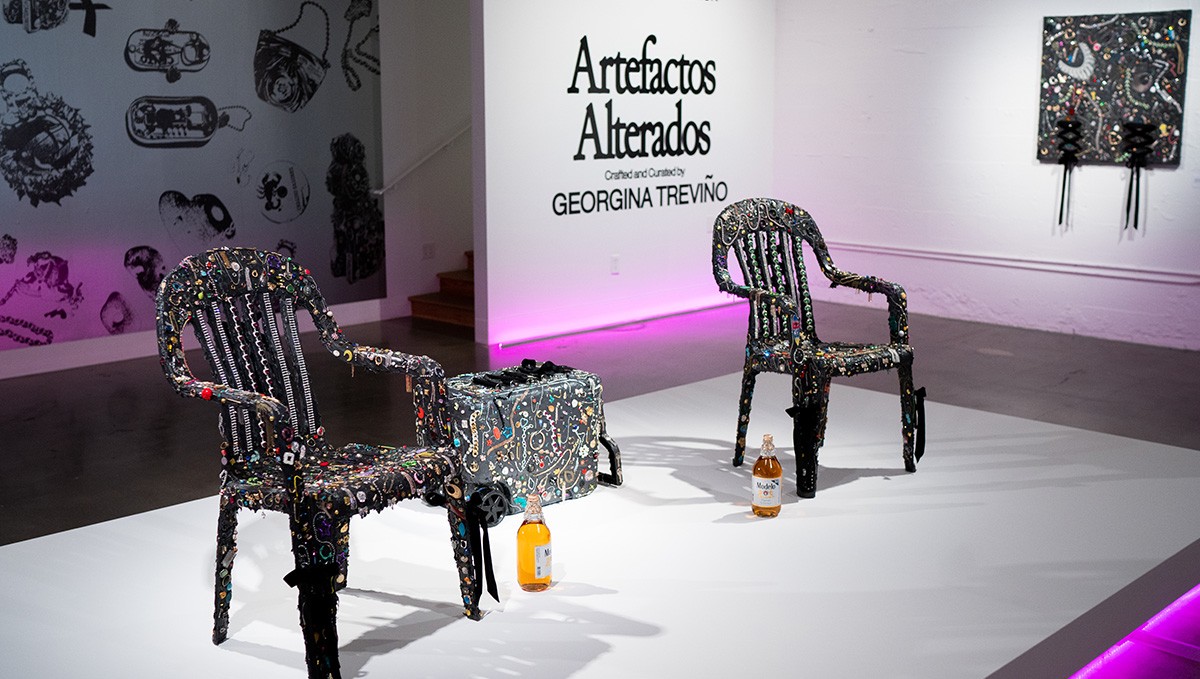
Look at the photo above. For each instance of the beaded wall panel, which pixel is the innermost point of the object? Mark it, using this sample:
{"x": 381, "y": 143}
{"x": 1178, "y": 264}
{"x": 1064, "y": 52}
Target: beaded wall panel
{"x": 1115, "y": 83}
{"x": 134, "y": 134}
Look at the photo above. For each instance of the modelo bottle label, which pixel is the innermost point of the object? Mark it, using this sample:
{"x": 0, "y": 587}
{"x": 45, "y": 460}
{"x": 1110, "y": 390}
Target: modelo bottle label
{"x": 767, "y": 492}
{"x": 541, "y": 561}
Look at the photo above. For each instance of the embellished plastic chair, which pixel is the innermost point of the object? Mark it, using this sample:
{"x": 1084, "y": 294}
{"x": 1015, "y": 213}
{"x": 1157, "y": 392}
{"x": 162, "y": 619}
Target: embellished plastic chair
{"x": 767, "y": 236}
{"x": 243, "y": 307}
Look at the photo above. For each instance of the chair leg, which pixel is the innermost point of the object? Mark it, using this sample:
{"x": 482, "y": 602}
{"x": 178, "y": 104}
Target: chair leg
{"x": 315, "y": 579}
{"x": 226, "y": 550}
{"x": 809, "y": 415}
{"x": 822, "y": 412}
{"x": 908, "y": 415}
{"x": 749, "y": 376}
{"x": 343, "y": 554}
{"x": 464, "y": 560}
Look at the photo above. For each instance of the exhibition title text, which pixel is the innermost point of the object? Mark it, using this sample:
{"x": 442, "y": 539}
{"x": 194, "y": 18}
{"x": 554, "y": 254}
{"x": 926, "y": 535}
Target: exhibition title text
{"x": 606, "y": 135}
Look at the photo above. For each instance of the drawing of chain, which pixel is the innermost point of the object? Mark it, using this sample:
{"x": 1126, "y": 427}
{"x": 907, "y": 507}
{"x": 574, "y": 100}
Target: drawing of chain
{"x": 46, "y": 334}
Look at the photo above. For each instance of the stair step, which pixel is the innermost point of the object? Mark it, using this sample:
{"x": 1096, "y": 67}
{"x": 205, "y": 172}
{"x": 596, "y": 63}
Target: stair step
{"x": 444, "y": 308}
{"x": 461, "y": 283}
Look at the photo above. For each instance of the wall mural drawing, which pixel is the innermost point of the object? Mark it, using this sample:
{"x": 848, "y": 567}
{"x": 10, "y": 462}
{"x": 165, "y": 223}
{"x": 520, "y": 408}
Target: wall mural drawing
{"x": 286, "y": 74}
{"x": 49, "y": 278}
{"x": 146, "y": 265}
{"x": 357, "y": 219}
{"x": 122, "y": 209}
{"x": 45, "y": 147}
{"x": 180, "y": 121}
{"x": 284, "y": 191}
{"x": 24, "y": 332}
{"x": 48, "y": 289}
{"x": 357, "y": 11}
{"x": 42, "y": 15}
{"x": 115, "y": 315}
{"x": 89, "y": 8}
{"x": 286, "y": 247}
{"x": 241, "y": 166}
{"x": 8, "y": 249}
{"x": 36, "y": 16}
{"x": 1112, "y": 92}
{"x": 168, "y": 50}
{"x": 201, "y": 218}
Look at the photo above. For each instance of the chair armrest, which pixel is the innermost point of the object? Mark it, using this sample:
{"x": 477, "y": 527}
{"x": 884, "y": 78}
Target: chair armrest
{"x": 428, "y": 380}
{"x": 263, "y": 405}
{"x": 896, "y": 297}
{"x": 726, "y": 284}
{"x": 802, "y": 344}
{"x": 272, "y": 410}
{"x": 778, "y": 300}
{"x": 170, "y": 320}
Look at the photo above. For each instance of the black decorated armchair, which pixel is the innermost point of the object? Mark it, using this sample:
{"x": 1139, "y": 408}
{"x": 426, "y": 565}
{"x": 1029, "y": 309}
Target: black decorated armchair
{"x": 243, "y": 306}
{"x": 767, "y": 237}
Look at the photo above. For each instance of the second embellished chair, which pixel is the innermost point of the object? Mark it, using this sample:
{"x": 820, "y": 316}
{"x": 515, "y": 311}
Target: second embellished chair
{"x": 767, "y": 238}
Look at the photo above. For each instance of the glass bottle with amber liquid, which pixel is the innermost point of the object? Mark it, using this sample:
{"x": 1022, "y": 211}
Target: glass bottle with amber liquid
{"x": 768, "y": 481}
{"x": 533, "y": 548}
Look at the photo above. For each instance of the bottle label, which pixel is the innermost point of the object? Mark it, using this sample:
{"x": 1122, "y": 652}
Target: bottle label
{"x": 767, "y": 492}
{"x": 541, "y": 561}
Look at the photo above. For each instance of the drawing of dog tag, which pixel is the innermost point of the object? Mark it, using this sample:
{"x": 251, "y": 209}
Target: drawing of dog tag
{"x": 166, "y": 49}
{"x": 176, "y": 121}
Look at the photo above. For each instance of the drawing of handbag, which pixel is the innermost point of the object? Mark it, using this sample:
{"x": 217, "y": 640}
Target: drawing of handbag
{"x": 286, "y": 74}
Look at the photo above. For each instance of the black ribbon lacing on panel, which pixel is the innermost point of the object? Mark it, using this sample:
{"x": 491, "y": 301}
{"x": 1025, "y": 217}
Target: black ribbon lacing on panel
{"x": 1138, "y": 141}
{"x": 1068, "y": 136}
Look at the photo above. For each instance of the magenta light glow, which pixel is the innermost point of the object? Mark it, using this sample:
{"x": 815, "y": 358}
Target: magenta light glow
{"x": 1160, "y": 647}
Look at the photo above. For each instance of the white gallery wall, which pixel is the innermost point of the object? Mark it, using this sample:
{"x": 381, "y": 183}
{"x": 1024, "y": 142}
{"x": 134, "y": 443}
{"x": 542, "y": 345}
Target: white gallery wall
{"x": 909, "y": 131}
{"x": 426, "y": 113}
{"x": 613, "y": 133}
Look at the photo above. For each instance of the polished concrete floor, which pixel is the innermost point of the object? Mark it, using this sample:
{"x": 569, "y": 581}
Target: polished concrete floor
{"x": 111, "y": 440}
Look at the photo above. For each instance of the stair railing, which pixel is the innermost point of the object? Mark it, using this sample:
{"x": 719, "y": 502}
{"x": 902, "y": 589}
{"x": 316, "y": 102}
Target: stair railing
{"x": 460, "y": 131}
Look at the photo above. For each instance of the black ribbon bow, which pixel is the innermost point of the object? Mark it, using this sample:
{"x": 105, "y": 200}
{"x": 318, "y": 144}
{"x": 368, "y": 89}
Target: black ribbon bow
{"x": 481, "y": 549}
{"x": 318, "y": 610}
{"x": 1138, "y": 141}
{"x": 919, "y": 424}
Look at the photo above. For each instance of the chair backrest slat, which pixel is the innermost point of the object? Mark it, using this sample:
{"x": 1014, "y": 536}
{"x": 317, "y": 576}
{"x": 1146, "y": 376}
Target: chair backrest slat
{"x": 234, "y": 424}
{"x": 252, "y": 344}
{"x": 282, "y": 366}
{"x": 767, "y": 238}
{"x": 257, "y": 310}
{"x": 308, "y": 423}
{"x": 243, "y": 307}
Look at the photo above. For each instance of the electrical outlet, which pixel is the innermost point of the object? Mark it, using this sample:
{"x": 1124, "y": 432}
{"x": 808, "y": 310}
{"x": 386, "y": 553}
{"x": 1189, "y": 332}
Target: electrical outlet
{"x": 428, "y": 251}
{"x": 614, "y": 267}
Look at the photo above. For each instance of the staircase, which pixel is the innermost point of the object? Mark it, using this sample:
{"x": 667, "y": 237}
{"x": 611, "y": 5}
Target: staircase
{"x": 452, "y": 308}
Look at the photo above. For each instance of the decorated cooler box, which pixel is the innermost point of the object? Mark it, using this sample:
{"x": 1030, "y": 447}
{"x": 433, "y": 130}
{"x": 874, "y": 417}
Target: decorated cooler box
{"x": 535, "y": 428}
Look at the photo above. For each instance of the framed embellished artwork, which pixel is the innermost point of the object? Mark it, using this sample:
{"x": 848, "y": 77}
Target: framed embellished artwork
{"x": 1112, "y": 87}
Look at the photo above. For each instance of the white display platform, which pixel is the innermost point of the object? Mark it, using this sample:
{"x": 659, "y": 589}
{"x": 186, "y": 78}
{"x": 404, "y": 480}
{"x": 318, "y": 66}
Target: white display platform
{"x": 1010, "y": 530}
